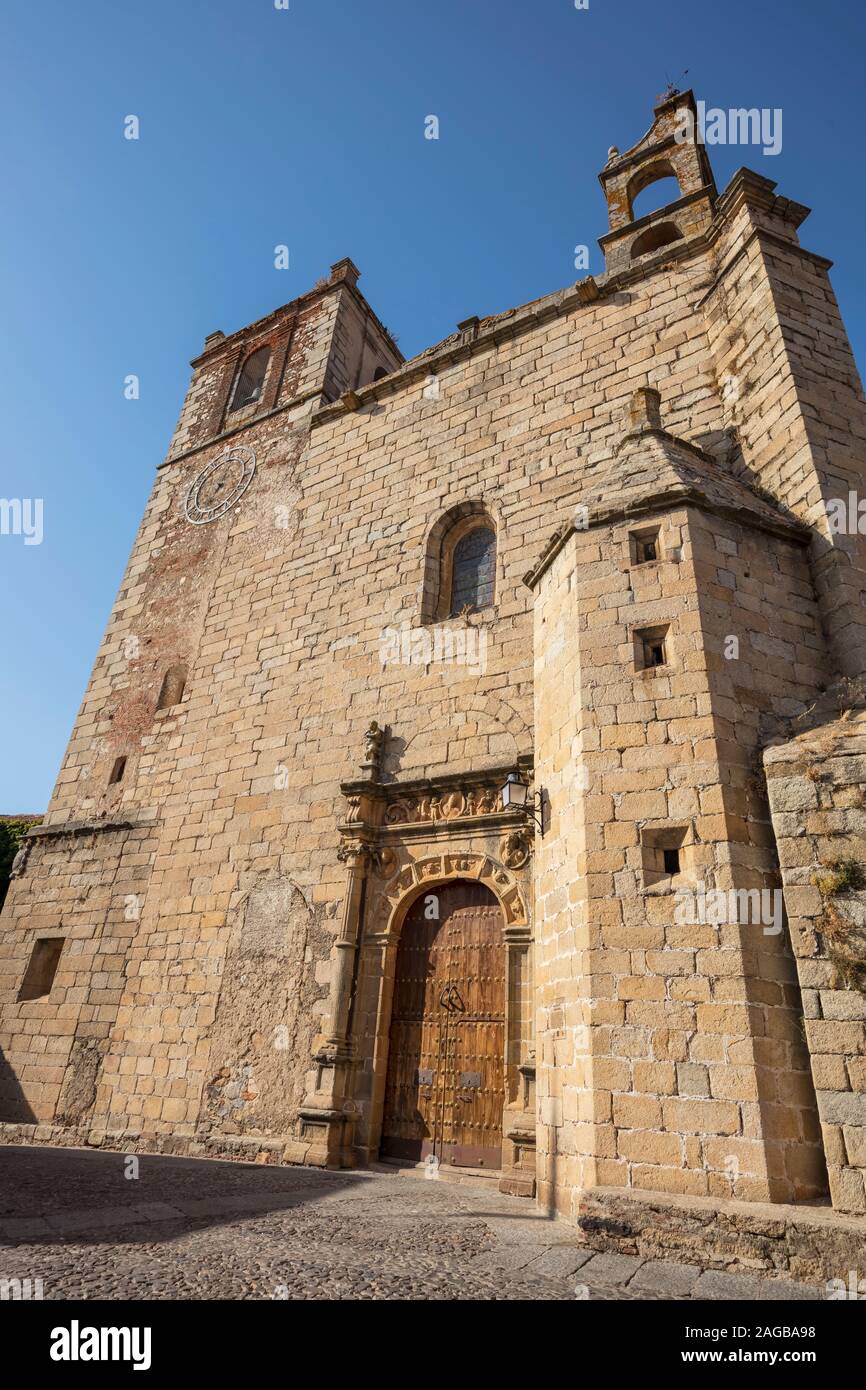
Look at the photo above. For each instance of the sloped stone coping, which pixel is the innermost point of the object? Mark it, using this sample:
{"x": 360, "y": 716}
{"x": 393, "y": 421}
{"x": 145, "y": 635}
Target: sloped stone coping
{"x": 241, "y": 1147}
{"x": 56, "y": 829}
{"x": 812, "y": 1244}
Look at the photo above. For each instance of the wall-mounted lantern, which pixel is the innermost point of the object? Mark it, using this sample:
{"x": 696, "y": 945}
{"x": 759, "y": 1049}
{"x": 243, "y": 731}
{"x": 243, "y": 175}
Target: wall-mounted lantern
{"x": 514, "y": 796}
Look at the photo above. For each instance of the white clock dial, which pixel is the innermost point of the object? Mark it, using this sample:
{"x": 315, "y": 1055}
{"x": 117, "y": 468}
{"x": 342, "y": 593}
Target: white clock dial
{"x": 219, "y": 486}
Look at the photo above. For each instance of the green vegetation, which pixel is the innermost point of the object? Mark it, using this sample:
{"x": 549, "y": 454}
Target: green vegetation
{"x": 842, "y": 876}
{"x": 12, "y": 832}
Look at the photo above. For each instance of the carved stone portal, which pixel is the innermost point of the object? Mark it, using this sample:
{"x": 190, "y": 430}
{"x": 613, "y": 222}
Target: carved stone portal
{"x": 398, "y": 842}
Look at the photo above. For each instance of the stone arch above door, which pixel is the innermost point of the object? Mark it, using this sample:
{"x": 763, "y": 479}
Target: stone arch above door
{"x": 398, "y": 879}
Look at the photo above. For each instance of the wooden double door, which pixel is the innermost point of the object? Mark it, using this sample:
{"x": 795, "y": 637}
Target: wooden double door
{"x": 445, "y": 1089}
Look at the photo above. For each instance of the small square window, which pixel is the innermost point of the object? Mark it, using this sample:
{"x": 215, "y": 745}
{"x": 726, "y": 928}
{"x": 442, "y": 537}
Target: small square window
{"x": 663, "y": 855}
{"x": 645, "y": 546}
{"x": 651, "y": 648}
{"x": 41, "y": 969}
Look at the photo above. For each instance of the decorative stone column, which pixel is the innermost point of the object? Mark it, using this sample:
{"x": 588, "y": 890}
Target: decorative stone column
{"x": 518, "y": 1118}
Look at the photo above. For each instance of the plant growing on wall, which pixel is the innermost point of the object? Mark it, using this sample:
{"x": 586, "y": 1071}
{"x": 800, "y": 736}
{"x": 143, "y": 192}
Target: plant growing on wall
{"x": 844, "y": 938}
{"x": 12, "y": 832}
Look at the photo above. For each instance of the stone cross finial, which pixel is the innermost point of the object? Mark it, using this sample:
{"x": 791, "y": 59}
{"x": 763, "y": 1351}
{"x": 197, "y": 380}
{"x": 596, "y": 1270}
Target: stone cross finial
{"x": 644, "y": 410}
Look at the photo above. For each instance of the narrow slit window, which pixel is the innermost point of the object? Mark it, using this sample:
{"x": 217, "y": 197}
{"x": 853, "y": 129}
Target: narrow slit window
{"x": 671, "y": 859}
{"x": 41, "y": 968}
{"x": 665, "y": 857}
{"x": 117, "y": 771}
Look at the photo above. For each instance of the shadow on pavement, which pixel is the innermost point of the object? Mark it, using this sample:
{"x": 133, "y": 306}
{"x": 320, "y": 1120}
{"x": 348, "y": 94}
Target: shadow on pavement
{"x": 52, "y": 1196}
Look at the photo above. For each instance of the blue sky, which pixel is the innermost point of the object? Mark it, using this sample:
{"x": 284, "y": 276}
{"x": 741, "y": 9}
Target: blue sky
{"x": 306, "y": 127}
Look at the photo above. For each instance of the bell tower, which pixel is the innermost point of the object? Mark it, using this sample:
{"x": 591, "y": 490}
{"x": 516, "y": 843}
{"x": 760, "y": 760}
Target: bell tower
{"x": 670, "y": 149}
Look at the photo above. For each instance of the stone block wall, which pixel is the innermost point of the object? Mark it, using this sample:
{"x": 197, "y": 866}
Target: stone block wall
{"x": 792, "y": 394}
{"x": 816, "y": 783}
{"x": 279, "y": 611}
{"x": 85, "y": 888}
{"x": 670, "y": 1051}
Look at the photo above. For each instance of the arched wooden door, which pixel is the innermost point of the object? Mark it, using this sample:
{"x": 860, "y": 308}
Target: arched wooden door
{"x": 446, "y": 1061}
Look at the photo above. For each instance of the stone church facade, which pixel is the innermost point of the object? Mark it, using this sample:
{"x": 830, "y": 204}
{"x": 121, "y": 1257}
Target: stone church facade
{"x": 280, "y": 906}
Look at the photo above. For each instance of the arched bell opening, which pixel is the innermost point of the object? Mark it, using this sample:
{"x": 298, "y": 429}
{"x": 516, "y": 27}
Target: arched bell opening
{"x": 654, "y": 238}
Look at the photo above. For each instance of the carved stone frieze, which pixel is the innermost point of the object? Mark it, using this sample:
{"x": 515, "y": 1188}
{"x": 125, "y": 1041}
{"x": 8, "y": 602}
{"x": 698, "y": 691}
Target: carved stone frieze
{"x": 454, "y": 804}
{"x": 376, "y": 809}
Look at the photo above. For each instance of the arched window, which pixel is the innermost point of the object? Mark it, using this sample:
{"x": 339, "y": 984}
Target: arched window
{"x": 473, "y": 571}
{"x": 459, "y": 562}
{"x": 173, "y": 685}
{"x": 251, "y": 380}
{"x": 379, "y": 373}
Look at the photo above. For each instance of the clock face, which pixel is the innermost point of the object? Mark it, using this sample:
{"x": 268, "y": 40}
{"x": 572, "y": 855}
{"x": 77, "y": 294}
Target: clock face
{"x": 220, "y": 485}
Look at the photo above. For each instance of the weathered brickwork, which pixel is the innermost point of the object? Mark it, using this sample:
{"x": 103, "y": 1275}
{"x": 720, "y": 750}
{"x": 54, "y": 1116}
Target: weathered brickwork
{"x": 288, "y": 739}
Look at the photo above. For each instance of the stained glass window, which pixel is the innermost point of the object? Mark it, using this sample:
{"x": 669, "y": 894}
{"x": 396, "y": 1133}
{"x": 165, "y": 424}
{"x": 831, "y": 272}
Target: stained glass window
{"x": 473, "y": 571}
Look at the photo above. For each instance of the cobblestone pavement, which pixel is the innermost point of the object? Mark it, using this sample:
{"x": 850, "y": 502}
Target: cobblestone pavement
{"x": 198, "y": 1229}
